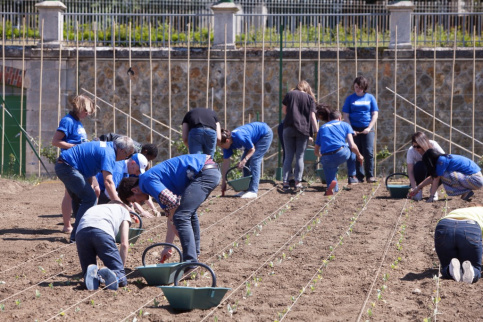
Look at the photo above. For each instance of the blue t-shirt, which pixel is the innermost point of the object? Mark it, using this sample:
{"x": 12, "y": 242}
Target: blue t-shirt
{"x": 91, "y": 157}
{"x": 119, "y": 172}
{"x": 360, "y": 109}
{"x": 73, "y": 129}
{"x": 332, "y": 135}
{"x": 458, "y": 163}
{"x": 170, "y": 174}
{"x": 246, "y": 136}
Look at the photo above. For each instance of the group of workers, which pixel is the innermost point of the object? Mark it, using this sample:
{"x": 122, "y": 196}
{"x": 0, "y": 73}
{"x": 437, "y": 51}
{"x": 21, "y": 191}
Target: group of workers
{"x": 113, "y": 172}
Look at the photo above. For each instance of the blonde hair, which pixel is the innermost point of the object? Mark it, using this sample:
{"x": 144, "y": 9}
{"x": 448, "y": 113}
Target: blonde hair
{"x": 303, "y": 86}
{"x": 82, "y": 103}
{"x": 421, "y": 139}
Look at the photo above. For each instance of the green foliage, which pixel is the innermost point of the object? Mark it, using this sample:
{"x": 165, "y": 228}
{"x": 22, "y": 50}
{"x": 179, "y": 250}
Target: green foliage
{"x": 383, "y": 154}
{"x": 50, "y": 153}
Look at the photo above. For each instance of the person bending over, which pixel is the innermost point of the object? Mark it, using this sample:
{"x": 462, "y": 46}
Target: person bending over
{"x": 96, "y": 237}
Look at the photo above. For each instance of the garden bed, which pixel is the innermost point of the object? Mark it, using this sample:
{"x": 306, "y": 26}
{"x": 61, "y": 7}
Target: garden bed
{"x": 300, "y": 257}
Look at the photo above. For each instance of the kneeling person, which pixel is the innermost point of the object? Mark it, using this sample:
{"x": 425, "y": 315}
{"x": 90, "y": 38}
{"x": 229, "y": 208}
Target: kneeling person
{"x": 96, "y": 236}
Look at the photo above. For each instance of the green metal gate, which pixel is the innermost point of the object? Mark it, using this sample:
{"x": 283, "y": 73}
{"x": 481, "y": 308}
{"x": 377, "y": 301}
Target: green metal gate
{"x": 13, "y": 142}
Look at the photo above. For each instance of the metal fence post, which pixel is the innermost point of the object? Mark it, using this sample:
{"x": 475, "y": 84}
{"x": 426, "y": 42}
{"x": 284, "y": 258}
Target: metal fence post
{"x": 51, "y": 12}
{"x": 224, "y": 13}
{"x": 400, "y": 13}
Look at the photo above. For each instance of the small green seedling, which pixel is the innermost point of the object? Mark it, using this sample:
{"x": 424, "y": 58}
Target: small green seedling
{"x": 92, "y": 303}
{"x": 17, "y": 302}
{"x": 2, "y": 307}
{"x": 77, "y": 309}
{"x": 37, "y": 294}
{"x": 156, "y": 303}
{"x": 51, "y": 285}
{"x": 42, "y": 269}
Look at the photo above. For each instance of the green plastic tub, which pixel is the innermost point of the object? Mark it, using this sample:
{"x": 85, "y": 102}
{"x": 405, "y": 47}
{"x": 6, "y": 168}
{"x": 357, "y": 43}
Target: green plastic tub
{"x": 398, "y": 189}
{"x": 133, "y": 232}
{"x": 190, "y": 298}
{"x": 159, "y": 273}
{"x": 240, "y": 184}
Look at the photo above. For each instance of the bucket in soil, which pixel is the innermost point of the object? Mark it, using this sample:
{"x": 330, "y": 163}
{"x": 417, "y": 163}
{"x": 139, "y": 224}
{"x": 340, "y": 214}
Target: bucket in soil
{"x": 189, "y": 298}
{"x": 133, "y": 232}
{"x": 321, "y": 174}
{"x": 398, "y": 185}
{"x": 159, "y": 273}
{"x": 240, "y": 184}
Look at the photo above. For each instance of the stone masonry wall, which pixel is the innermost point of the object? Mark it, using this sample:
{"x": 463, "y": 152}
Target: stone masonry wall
{"x": 140, "y": 86}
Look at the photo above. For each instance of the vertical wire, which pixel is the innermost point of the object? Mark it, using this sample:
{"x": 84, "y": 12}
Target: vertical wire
{"x": 188, "y": 73}
{"x": 415, "y": 79}
{"x": 474, "y": 90}
{"x": 300, "y": 51}
{"x": 451, "y": 99}
{"x": 377, "y": 94}
{"x": 150, "y": 87}
{"x": 244, "y": 74}
{"x": 338, "y": 68}
{"x": 169, "y": 86}
{"x": 434, "y": 87}
{"x": 21, "y": 99}
{"x": 113, "y": 76}
{"x": 95, "y": 79}
{"x": 263, "y": 76}
{"x": 128, "y": 119}
{"x": 225, "y": 74}
{"x": 77, "y": 58}
{"x": 58, "y": 93}
{"x": 355, "y": 46}
{"x": 318, "y": 64}
{"x": 40, "y": 86}
{"x": 395, "y": 104}
{"x": 208, "y": 66}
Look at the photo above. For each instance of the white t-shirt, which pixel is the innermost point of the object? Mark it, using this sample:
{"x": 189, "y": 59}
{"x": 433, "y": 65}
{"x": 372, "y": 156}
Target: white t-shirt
{"x": 414, "y": 156}
{"x": 105, "y": 217}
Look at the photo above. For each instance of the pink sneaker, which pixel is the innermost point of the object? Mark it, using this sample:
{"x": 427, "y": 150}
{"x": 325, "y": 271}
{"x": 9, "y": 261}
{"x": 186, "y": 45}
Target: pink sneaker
{"x": 330, "y": 188}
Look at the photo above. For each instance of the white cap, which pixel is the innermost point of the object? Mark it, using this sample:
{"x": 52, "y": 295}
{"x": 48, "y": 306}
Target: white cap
{"x": 141, "y": 160}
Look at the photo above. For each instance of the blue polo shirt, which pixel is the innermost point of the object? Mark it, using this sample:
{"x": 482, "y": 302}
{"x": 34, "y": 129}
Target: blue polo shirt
{"x": 458, "y": 163}
{"x": 119, "y": 172}
{"x": 171, "y": 175}
{"x": 92, "y": 157}
{"x": 246, "y": 136}
{"x": 360, "y": 109}
{"x": 73, "y": 129}
{"x": 332, "y": 135}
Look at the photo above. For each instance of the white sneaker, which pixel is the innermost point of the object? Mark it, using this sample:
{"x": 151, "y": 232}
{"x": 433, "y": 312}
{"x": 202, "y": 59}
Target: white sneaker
{"x": 241, "y": 193}
{"x": 249, "y": 195}
{"x": 418, "y": 196}
{"x": 435, "y": 198}
{"x": 468, "y": 272}
{"x": 455, "y": 269}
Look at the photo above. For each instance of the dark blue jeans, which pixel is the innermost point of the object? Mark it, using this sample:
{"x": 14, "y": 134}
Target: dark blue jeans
{"x": 365, "y": 144}
{"x": 330, "y": 164}
{"x": 185, "y": 218}
{"x": 459, "y": 239}
{"x": 80, "y": 190}
{"x": 255, "y": 162}
{"x": 92, "y": 242}
{"x": 202, "y": 140}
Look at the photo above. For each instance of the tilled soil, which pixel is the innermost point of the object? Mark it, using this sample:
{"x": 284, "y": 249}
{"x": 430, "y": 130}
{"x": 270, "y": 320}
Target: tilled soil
{"x": 299, "y": 256}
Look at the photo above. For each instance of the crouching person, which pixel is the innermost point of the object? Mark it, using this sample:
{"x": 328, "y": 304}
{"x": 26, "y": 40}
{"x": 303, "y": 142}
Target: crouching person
{"x": 457, "y": 240}
{"x": 96, "y": 236}
{"x": 179, "y": 185}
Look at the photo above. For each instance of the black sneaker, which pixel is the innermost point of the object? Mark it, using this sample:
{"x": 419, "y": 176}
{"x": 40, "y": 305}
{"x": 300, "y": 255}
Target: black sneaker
{"x": 353, "y": 180}
{"x": 467, "y": 195}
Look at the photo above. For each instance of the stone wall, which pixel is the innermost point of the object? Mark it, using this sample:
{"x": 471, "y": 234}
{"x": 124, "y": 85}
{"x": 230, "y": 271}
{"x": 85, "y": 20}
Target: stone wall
{"x": 139, "y": 86}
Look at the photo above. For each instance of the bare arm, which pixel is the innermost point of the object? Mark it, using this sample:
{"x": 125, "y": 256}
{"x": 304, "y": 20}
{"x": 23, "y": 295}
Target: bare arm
{"x": 313, "y": 119}
{"x": 354, "y": 148}
{"x": 110, "y": 186}
{"x": 124, "y": 229}
{"x": 249, "y": 154}
{"x": 57, "y": 141}
{"x": 317, "y": 151}
{"x": 186, "y": 131}
{"x": 412, "y": 180}
{"x": 374, "y": 116}
{"x": 218, "y": 132}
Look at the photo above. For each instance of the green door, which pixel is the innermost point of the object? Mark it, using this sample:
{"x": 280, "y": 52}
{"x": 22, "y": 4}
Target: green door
{"x": 13, "y": 148}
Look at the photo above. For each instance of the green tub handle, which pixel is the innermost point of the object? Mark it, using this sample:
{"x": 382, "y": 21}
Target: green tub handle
{"x": 396, "y": 174}
{"x": 233, "y": 168}
{"x": 186, "y": 264}
{"x": 139, "y": 217}
{"x": 162, "y": 244}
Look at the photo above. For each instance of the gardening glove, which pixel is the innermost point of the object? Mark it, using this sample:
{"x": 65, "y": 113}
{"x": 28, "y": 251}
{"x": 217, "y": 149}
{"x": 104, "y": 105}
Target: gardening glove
{"x": 166, "y": 254}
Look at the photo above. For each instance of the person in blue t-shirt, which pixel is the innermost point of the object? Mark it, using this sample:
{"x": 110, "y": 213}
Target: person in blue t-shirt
{"x": 76, "y": 167}
{"x": 459, "y": 175}
{"x": 179, "y": 185}
{"x": 70, "y": 133}
{"x": 360, "y": 111}
{"x": 255, "y": 138}
{"x": 332, "y": 148}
